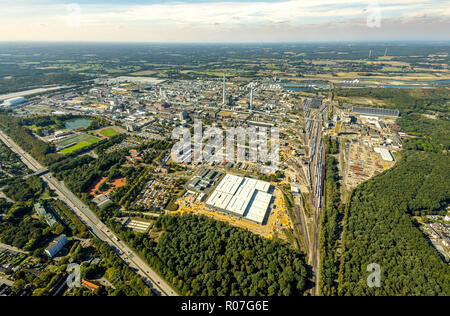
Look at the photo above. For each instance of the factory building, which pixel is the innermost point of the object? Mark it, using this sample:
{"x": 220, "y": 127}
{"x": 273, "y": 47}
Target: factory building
{"x": 385, "y": 154}
{"x": 14, "y": 101}
{"x": 205, "y": 179}
{"x": 242, "y": 197}
{"x": 375, "y": 112}
{"x": 55, "y": 246}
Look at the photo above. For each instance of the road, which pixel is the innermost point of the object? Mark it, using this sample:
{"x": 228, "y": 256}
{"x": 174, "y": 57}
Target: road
{"x": 11, "y": 248}
{"x": 3, "y": 195}
{"x": 97, "y": 228}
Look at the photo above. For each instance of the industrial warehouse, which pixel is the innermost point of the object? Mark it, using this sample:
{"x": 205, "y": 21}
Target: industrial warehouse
{"x": 375, "y": 111}
{"x": 242, "y": 197}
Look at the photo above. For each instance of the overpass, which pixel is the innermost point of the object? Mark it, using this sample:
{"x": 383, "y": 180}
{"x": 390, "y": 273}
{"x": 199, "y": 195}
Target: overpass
{"x": 37, "y": 173}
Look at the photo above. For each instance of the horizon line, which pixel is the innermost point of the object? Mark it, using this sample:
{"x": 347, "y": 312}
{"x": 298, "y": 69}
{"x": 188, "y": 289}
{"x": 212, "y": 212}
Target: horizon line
{"x": 226, "y": 42}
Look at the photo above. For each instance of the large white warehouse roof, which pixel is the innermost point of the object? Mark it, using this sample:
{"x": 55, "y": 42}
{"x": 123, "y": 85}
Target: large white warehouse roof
{"x": 385, "y": 154}
{"x": 243, "y": 197}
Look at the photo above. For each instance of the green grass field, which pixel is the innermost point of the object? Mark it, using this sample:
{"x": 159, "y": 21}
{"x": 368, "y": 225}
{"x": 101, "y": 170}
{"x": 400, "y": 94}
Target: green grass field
{"x": 87, "y": 141}
{"x": 109, "y": 132}
{"x": 72, "y": 139}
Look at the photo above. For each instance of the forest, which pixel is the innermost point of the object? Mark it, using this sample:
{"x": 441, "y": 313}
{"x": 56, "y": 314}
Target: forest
{"x": 330, "y": 227}
{"x": 74, "y": 225}
{"x": 201, "y": 256}
{"x": 37, "y": 80}
{"x": 41, "y": 151}
{"x": 406, "y": 100}
{"x": 379, "y": 229}
{"x": 79, "y": 173}
{"x": 432, "y": 134}
{"x": 17, "y": 226}
{"x": 24, "y": 190}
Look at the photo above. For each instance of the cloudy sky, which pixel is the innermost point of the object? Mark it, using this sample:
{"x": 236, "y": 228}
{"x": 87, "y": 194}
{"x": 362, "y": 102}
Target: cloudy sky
{"x": 223, "y": 20}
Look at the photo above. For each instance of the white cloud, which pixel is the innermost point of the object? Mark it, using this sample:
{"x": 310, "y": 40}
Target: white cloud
{"x": 171, "y": 21}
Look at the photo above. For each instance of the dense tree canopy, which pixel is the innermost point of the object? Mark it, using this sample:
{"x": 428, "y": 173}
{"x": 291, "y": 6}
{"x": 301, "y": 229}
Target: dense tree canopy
{"x": 24, "y": 189}
{"x": 201, "y": 256}
{"x": 379, "y": 229}
{"x": 330, "y": 228}
{"x": 14, "y": 127}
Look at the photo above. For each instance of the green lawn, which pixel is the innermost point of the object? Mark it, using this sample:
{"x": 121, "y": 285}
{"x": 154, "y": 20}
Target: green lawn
{"x": 93, "y": 140}
{"x": 109, "y": 132}
{"x": 72, "y": 140}
{"x": 80, "y": 145}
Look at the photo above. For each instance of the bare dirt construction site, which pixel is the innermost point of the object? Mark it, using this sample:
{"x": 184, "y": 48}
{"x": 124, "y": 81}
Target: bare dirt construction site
{"x": 362, "y": 164}
{"x": 277, "y": 225}
{"x": 114, "y": 184}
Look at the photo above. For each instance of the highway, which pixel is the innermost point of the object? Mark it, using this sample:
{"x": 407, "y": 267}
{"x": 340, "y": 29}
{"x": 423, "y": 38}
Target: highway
{"x": 96, "y": 227}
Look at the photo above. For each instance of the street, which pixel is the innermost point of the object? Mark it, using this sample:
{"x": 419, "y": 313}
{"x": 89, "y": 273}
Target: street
{"x": 96, "y": 227}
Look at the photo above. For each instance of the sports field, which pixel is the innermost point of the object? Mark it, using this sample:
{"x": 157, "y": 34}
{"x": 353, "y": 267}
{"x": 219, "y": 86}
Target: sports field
{"x": 81, "y": 144}
{"x": 109, "y": 132}
{"x": 72, "y": 140}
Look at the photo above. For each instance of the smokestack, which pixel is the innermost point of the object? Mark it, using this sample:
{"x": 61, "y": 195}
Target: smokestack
{"x": 251, "y": 98}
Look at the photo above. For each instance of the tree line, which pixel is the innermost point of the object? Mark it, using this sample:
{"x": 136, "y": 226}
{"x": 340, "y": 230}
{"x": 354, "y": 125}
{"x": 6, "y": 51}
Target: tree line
{"x": 201, "y": 256}
{"x": 379, "y": 229}
{"x": 330, "y": 228}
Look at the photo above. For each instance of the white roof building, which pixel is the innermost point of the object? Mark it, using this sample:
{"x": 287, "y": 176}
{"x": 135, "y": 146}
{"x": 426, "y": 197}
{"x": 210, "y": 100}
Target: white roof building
{"x": 242, "y": 197}
{"x": 55, "y": 246}
{"x": 385, "y": 154}
{"x": 14, "y": 101}
{"x": 258, "y": 208}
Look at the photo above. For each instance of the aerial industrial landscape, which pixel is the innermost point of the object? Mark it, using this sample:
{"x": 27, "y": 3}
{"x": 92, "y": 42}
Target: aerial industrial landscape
{"x": 247, "y": 170}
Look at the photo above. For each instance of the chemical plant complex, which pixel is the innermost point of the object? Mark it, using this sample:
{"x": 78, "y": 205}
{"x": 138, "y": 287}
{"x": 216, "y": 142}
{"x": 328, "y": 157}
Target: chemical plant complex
{"x": 212, "y": 181}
